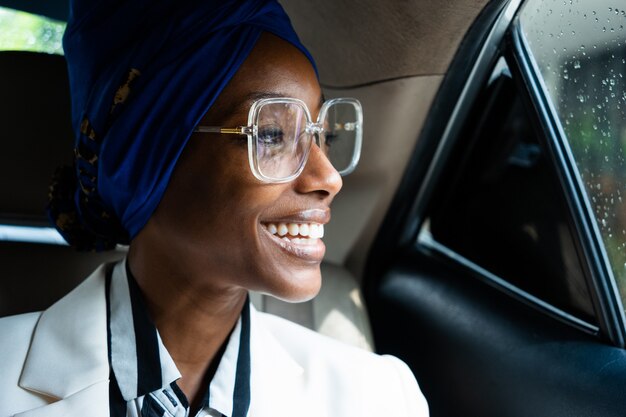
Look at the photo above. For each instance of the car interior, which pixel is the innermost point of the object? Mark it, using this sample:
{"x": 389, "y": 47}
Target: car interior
{"x": 457, "y": 244}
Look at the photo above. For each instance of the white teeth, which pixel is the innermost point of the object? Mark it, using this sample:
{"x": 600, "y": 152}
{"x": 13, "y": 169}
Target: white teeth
{"x": 310, "y": 230}
{"x": 294, "y": 229}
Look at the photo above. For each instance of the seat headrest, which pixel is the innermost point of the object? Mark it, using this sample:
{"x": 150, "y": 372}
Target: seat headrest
{"x": 35, "y": 132}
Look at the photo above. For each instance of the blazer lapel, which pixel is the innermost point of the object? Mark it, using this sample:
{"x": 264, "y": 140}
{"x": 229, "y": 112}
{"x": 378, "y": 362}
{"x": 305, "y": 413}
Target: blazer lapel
{"x": 92, "y": 402}
{"x": 68, "y": 356}
{"x": 277, "y": 379}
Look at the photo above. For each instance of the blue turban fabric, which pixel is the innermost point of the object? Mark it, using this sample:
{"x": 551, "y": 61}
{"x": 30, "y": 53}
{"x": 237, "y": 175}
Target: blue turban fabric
{"x": 142, "y": 74}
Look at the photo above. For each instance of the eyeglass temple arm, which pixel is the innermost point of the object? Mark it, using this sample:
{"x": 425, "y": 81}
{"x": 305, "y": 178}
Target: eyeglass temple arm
{"x": 241, "y": 130}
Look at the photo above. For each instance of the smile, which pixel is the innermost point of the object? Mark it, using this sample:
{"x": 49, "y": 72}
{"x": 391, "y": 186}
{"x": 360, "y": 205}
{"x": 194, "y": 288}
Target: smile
{"x": 300, "y": 239}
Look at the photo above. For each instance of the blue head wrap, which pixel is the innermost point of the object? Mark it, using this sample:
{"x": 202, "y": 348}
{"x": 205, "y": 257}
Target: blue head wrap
{"x": 142, "y": 74}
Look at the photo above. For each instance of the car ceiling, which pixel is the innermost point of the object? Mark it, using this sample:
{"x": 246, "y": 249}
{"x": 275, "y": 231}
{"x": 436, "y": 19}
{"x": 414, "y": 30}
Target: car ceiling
{"x": 360, "y": 42}
{"x": 392, "y": 56}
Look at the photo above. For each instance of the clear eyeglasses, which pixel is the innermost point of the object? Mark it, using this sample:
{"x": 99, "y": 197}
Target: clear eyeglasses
{"x": 280, "y": 135}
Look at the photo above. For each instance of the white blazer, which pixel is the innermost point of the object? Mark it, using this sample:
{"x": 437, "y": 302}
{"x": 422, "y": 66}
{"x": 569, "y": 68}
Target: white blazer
{"x": 55, "y": 364}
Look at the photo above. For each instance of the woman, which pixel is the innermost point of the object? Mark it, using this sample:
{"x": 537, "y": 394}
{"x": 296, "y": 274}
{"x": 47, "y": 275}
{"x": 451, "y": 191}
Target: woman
{"x": 210, "y": 211}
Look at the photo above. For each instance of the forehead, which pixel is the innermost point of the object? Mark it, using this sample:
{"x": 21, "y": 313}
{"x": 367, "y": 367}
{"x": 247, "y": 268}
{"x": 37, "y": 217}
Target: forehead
{"x": 274, "y": 68}
{"x": 259, "y": 95}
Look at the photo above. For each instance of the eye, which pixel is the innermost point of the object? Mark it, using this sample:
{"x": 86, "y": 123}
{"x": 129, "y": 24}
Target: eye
{"x": 270, "y": 136}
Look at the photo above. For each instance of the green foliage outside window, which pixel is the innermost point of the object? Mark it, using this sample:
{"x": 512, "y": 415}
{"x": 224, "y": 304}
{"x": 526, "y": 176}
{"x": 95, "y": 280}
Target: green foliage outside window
{"x": 20, "y": 31}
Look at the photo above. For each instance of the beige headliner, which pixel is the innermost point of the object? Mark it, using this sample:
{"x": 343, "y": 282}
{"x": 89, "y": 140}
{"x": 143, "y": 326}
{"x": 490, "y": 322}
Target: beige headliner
{"x": 391, "y": 55}
{"x": 357, "y": 42}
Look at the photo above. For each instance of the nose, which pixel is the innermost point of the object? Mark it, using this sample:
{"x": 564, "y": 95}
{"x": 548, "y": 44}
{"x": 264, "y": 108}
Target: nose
{"x": 319, "y": 175}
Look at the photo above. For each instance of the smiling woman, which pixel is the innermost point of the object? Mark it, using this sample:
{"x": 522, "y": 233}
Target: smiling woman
{"x": 208, "y": 217}
{"x": 215, "y": 215}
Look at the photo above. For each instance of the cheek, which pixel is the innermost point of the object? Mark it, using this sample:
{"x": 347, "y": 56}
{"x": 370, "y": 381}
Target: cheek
{"x": 217, "y": 196}
{"x": 211, "y": 218}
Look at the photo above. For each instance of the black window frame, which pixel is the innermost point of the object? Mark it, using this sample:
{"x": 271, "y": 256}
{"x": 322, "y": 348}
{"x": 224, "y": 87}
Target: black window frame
{"x": 435, "y": 144}
{"x": 424, "y": 239}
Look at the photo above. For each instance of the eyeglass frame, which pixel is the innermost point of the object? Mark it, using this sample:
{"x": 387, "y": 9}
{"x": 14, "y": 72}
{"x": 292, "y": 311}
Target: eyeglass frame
{"x": 251, "y": 131}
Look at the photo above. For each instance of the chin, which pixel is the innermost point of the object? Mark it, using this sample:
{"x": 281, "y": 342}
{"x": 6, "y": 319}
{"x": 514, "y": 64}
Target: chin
{"x": 298, "y": 287}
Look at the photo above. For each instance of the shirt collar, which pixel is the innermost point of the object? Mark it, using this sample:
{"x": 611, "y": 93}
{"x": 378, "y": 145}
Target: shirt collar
{"x": 230, "y": 387}
{"x": 142, "y": 364}
{"x": 138, "y": 357}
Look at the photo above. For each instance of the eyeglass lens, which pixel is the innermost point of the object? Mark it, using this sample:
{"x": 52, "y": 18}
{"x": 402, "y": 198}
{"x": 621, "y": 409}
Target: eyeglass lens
{"x": 340, "y": 134}
{"x": 283, "y": 142}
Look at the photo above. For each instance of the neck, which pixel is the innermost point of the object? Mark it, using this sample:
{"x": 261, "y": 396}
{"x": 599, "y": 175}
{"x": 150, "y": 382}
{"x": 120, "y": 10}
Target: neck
{"x": 194, "y": 320}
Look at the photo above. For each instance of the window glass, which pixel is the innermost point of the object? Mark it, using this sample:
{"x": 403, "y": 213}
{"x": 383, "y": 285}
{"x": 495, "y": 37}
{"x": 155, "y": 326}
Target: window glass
{"x": 501, "y": 206}
{"x": 580, "y": 49}
{"x": 21, "y": 31}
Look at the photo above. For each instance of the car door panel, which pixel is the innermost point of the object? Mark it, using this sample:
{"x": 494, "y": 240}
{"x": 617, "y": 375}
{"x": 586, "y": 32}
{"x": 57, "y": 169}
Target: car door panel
{"x": 477, "y": 351}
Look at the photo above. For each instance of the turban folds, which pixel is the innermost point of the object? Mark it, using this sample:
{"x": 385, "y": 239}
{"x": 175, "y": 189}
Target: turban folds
{"x": 142, "y": 74}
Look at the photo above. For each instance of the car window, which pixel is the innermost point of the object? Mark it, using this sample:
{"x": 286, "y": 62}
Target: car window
{"x": 23, "y": 31}
{"x": 579, "y": 52}
{"x": 501, "y": 205}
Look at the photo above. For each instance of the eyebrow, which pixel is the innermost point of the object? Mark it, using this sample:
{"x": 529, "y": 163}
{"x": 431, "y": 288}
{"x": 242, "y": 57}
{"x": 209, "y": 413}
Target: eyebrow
{"x": 244, "y": 104}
